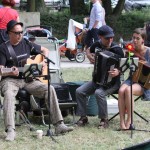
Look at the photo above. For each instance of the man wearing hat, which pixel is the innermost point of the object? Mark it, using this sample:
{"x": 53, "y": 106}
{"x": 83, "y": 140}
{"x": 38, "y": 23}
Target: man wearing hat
{"x": 106, "y": 35}
{"x": 13, "y": 81}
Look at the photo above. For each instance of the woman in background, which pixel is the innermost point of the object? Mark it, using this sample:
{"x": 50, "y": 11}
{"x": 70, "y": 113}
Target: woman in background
{"x": 7, "y": 13}
{"x": 124, "y": 100}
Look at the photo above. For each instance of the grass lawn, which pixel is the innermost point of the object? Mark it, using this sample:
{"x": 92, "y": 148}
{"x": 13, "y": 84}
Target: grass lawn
{"x": 83, "y": 138}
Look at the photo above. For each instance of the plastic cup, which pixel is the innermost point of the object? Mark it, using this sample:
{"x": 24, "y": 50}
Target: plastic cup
{"x": 39, "y": 134}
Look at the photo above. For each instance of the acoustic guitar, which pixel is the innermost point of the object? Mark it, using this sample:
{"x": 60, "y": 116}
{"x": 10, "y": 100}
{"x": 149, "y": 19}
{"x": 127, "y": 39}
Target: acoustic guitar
{"x": 33, "y": 60}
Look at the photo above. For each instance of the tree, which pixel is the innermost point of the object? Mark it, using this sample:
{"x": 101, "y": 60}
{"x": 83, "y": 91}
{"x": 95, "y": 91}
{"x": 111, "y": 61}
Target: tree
{"x": 113, "y": 11}
{"x": 33, "y": 6}
{"x": 40, "y": 4}
{"x": 112, "y": 14}
{"x": 77, "y": 7}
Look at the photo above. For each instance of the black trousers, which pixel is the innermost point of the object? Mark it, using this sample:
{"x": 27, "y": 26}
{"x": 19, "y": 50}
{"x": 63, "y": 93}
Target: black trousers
{"x": 91, "y": 37}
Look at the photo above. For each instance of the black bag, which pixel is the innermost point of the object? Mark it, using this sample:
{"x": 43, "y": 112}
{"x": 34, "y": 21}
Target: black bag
{"x": 62, "y": 92}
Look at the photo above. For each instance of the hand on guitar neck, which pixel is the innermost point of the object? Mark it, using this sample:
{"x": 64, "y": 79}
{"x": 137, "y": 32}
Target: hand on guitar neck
{"x": 13, "y": 71}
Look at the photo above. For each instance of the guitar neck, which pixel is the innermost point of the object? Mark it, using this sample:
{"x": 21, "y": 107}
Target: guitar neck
{"x": 9, "y": 70}
{"x": 33, "y": 60}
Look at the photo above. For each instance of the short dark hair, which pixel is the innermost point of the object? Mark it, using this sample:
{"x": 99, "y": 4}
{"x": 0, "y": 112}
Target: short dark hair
{"x": 141, "y": 31}
{"x": 8, "y": 3}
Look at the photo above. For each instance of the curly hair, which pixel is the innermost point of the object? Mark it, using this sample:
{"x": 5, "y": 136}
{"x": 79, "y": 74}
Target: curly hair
{"x": 8, "y": 3}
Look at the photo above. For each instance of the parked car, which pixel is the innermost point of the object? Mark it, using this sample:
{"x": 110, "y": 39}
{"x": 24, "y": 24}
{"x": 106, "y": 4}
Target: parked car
{"x": 132, "y": 4}
{"x": 56, "y": 4}
{"x": 136, "y": 4}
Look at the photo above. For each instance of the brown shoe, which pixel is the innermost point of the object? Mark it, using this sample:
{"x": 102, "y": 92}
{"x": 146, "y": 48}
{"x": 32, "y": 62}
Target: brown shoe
{"x": 104, "y": 123}
{"x": 82, "y": 121}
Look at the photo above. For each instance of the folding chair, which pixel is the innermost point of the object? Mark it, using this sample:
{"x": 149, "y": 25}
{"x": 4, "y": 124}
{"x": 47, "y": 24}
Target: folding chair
{"x": 114, "y": 96}
{"x": 22, "y": 108}
{"x": 38, "y": 106}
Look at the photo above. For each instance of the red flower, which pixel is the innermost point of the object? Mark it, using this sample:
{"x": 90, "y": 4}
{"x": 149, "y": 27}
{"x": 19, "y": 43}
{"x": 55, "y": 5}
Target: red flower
{"x": 130, "y": 47}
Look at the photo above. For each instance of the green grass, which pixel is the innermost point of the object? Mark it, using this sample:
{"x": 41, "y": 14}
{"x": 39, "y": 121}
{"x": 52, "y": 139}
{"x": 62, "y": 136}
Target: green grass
{"x": 83, "y": 138}
{"x": 77, "y": 74}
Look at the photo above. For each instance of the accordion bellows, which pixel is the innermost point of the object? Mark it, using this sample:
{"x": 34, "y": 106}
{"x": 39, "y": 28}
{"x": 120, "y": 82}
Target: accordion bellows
{"x": 142, "y": 75}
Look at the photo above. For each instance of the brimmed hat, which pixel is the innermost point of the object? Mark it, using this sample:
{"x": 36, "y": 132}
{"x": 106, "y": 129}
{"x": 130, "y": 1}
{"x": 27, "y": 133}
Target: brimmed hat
{"x": 106, "y": 31}
{"x": 11, "y": 24}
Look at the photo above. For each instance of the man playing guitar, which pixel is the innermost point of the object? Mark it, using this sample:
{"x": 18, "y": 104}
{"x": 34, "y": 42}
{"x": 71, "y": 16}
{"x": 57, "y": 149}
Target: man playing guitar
{"x": 13, "y": 81}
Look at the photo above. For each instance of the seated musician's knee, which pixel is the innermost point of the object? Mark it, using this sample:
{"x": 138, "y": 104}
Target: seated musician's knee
{"x": 79, "y": 91}
{"x": 8, "y": 92}
{"x": 127, "y": 90}
{"x": 121, "y": 91}
{"x": 99, "y": 93}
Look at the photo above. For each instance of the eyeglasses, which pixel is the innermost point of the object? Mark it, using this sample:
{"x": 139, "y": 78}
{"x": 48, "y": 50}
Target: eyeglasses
{"x": 17, "y": 33}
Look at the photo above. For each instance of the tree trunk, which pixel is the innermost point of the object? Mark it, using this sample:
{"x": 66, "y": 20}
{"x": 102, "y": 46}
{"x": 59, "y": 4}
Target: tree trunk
{"x": 110, "y": 11}
{"x": 31, "y": 5}
{"x": 76, "y": 7}
{"x": 113, "y": 14}
{"x": 107, "y": 6}
{"x": 119, "y": 7}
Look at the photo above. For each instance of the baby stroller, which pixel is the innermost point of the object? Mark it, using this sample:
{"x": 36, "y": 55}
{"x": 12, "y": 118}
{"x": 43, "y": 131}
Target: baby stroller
{"x": 77, "y": 52}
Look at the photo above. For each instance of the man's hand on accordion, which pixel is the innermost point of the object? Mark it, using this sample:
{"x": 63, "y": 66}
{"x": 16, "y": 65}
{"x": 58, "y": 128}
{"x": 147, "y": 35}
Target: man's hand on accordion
{"x": 113, "y": 73}
{"x": 91, "y": 57}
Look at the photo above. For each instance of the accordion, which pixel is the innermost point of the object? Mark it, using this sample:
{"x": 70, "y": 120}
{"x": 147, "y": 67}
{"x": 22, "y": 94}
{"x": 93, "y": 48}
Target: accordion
{"x": 104, "y": 62}
{"x": 142, "y": 75}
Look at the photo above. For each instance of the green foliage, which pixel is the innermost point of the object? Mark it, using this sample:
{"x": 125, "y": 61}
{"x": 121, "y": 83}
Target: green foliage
{"x": 59, "y": 22}
{"x": 84, "y": 10}
{"x": 127, "y": 22}
{"x": 124, "y": 25}
{"x": 74, "y": 74}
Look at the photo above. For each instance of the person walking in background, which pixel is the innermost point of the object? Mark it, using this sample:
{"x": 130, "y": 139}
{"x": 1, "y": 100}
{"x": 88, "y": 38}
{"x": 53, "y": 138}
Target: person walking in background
{"x": 124, "y": 100}
{"x": 96, "y": 20}
{"x": 7, "y": 13}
